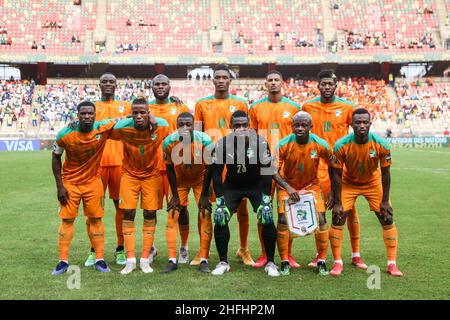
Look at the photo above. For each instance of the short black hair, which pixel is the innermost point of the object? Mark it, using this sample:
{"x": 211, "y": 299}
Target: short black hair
{"x": 327, "y": 74}
{"x": 85, "y": 103}
{"x": 239, "y": 114}
{"x": 274, "y": 72}
{"x": 223, "y": 67}
{"x": 139, "y": 101}
{"x": 361, "y": 111}
{"x": 185, "y": 115}
{"x": 108, "y": 74}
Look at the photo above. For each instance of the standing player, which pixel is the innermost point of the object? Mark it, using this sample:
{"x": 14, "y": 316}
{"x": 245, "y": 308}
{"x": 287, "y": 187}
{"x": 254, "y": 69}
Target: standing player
{"x": 298, "y": 156}
{"x": 140, "y": 176}
{"x": 272, "y": 118}
{"x": 246, "y": 156}
{"x": 111, "y": 163}
{"x": 213, "y": 116}
{"x": 187, "y": 156}
{"x": 80, "y": 180}
{"x": 332, "y": 117}
{"x": 164, "y": 107}
{"x": 360, "y": 153}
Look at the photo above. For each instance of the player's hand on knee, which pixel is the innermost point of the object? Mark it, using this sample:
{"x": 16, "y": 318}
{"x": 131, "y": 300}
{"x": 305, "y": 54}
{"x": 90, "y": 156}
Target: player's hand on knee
{"x": 293, "y": 194}
{"x": 265, "y": 210}
{"x": 174, "y": 203}
{"x": 386, "y": 209}
{"x": 222, "y": 215}
{"x": 63, "y": 195}
{"x": 204, "y": 205}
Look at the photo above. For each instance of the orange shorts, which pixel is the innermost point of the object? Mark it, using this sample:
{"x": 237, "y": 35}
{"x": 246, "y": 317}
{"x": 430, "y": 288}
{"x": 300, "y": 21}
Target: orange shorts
{"x": 183, "y": 193}
{"x": 373, "y": 192}
{"x": 93, "y": 200}
{"x": 165, "y": 188}
{"x": 318, "y": 197}
{"x": 131, "y": 187}
{"x": 111, "y": 180}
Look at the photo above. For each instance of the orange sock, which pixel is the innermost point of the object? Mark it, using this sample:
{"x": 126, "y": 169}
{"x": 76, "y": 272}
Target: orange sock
{"x": 283, "y": 241}
{"x": 291, "y": 241}
{"x": 65, "y": 238}
{"x": 119, "y": 231}
{"x": 206, "y": 235}
{"x": 172, "y": 233}
{"x": 242, "y": 217}
{"x": 353, "y": 229}
{"x": 97, "y": 232}
{"x": 129, "y": 236}
{"x": 336, "y": 237}
{"x": 87, "y": 230}
{"x": 263, "y": 250}
{"x": 322, "y": 237}
{"x": 184, "y": 234}
{"x": 390, "y": 238}
{"x": 148, "y": 236}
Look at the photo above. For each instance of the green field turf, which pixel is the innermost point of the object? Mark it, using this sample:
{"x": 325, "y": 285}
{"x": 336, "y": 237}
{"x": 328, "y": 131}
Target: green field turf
{"x": 29, "y": 227}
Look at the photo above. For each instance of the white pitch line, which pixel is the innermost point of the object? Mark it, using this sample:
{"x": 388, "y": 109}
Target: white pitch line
{"x": 430, "y": 151}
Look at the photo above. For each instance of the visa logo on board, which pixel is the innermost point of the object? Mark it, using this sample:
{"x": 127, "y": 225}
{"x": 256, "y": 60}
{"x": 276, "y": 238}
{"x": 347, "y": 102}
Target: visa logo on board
{"x": 19, "y": 145}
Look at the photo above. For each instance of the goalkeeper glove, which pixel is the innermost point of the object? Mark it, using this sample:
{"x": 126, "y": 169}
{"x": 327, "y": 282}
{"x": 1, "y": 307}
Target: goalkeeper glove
{"x": 222, "y": 214}
{"x": 264, "y": 212}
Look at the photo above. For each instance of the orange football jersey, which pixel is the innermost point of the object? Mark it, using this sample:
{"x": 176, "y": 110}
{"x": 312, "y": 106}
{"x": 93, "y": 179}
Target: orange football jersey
{"x": 140, "y": 147}
{"x": 83, "y": 151}
{"x": 113, "y": 154}
{"x": 272, "y": 120}
{"x": 169, "y": 112}
{"x": 299, "y": 163}
{"x": 360, "y": 161}
{"x": 188, "y": 174}
{"x": 215, "y": 114}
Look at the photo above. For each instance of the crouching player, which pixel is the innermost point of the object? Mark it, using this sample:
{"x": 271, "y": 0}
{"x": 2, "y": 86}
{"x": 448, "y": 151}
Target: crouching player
{"x": 187, "y": 154}
{"x": 360, "y": 153}
{"x": 298, "y": 156}
{"x": 249, "y": 175}
{"x": 80, "y": 180}
{"x": 140, "y": 176}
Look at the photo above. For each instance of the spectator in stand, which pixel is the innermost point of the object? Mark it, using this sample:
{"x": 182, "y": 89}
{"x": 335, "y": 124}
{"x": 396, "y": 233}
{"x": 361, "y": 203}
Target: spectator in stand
{"x": 446, "y": 133}
{"x": 129, "y": 24}
{"x": 34, "y": 45}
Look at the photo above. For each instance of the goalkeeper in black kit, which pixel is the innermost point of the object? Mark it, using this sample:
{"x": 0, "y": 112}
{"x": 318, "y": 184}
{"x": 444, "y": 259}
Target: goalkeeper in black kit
{"x": 249, "y": 173}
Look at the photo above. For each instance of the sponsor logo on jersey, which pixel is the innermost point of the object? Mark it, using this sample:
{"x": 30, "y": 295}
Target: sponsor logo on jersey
{"x": 286, "y": 114}
{"x": 313, "y": 154}
{"x": 98, "y": 136}
{"x": 121, "y": 109}
{"x": 372, "y": 153}
{"x": 338, "y": 112}
{"x": 154, "y": 136}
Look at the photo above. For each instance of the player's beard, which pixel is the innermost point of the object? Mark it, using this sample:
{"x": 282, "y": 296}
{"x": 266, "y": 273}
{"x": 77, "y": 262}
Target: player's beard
{"x": 162, "y": 97}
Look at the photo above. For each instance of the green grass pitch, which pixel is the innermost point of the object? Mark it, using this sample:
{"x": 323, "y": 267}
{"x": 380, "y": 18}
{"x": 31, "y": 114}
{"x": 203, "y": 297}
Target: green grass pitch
{"x": 29, "y": 251}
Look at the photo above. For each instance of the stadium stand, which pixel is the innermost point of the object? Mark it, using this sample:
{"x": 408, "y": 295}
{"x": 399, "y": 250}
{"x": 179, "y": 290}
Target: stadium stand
{"x": 380, "y": 25}
{"x": 142, "y": 26}
{"x": 15, "y": 101}
{"x": 263, "y": 26}
{"x": 50, "y": 24}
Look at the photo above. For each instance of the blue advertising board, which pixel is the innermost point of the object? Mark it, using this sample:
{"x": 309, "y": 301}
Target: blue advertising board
{"x": 20, "y": 145}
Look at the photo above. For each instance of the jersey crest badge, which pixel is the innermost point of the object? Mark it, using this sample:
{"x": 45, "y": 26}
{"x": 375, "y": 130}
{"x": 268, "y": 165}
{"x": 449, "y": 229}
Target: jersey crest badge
{"x": 173, "y": 111}
{"x": 98, "y": 136}
{"x": 154, "y": 136}
{"x": 232, "y": 108}
{"x": 121, "y": 109}
{"x": 372, "y": 153}
{"x": 286, "y": 114}
{"x": 338, "y": 113}
{"x": 313, "y": 154}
